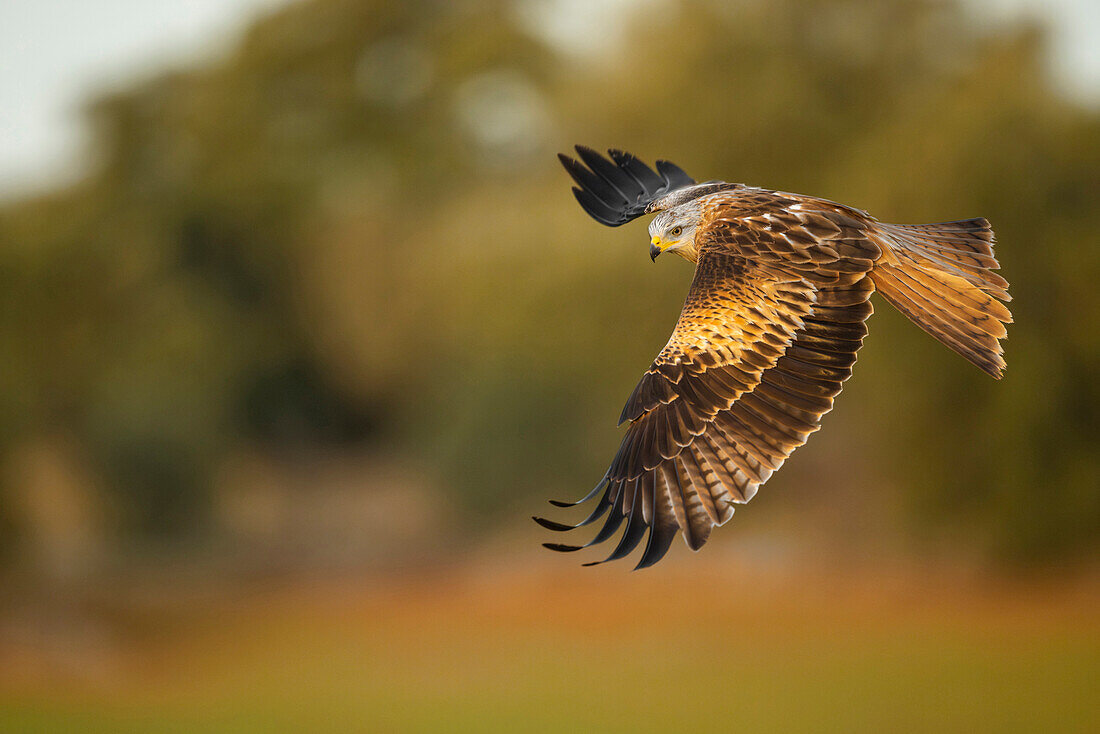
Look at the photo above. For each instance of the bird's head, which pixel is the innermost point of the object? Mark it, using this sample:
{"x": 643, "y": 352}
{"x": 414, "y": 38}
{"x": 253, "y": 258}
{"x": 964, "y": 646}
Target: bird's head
{"x": 673, "y": 230}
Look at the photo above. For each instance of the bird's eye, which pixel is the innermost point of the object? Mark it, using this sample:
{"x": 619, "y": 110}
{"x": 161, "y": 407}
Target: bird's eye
{"x": 676, "y": 231}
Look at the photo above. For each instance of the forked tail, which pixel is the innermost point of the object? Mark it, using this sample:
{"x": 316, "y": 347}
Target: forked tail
{"x": 941, "y": 276}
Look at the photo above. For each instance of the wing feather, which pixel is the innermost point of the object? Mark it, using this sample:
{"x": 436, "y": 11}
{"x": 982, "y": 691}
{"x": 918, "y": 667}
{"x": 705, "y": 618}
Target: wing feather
{"x": 768, "y": 334}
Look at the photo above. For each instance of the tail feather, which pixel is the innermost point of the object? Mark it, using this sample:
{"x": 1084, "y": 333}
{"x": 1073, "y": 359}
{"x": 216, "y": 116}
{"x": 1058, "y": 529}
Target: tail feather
{"x": 941, "y": 277}
{"x": 966, "y": 251}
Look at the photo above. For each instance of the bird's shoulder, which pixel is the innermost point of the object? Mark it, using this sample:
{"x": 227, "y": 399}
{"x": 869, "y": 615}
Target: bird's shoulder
{"x": 796, "y": 228}
{"x": 741, "y": 201}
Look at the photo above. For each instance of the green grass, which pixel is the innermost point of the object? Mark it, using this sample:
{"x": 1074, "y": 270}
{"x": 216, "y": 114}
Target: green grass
{"x": 605, "y": 654}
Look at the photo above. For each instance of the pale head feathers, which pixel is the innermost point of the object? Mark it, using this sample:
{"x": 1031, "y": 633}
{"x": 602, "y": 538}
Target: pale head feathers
{"x": 674, "y": 230}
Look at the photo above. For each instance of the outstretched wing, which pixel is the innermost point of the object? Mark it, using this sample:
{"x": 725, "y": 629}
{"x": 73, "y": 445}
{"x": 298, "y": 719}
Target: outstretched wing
{"x": 757, "y": 356}
{"x": 617, "y": 191}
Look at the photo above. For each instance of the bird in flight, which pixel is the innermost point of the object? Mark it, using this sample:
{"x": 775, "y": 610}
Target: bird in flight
{"x": 768, "y": 334}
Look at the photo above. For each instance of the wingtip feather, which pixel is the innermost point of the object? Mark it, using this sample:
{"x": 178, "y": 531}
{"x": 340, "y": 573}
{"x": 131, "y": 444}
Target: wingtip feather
{"x": 561, "y": 547}
{"x": 551, "y": 525}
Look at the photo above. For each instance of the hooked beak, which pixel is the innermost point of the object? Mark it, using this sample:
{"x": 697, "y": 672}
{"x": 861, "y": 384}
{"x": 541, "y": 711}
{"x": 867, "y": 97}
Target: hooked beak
{"x": 655, "y": 248}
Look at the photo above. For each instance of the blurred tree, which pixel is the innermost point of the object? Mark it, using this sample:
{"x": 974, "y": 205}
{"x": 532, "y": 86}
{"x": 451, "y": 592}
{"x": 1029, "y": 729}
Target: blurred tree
{"x": 352, "y": 232}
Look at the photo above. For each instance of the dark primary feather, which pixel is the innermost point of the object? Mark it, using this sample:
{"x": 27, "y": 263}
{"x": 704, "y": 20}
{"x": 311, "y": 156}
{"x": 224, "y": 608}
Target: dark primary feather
{"x": 617, "y": 191}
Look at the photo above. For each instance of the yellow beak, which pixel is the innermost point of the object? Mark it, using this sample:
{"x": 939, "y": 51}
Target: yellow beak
{"x": 655, "y": 247}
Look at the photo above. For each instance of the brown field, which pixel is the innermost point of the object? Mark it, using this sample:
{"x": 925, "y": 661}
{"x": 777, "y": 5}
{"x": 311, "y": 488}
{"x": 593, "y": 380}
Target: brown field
{"x": 537, "y": 644}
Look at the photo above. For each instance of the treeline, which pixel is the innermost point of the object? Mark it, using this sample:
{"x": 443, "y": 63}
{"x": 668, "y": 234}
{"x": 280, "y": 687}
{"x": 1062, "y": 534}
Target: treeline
{"x": 351, "y": 233}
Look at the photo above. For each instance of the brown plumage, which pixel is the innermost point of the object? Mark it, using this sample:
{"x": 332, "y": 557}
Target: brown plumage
{"x": 769, "y": 333}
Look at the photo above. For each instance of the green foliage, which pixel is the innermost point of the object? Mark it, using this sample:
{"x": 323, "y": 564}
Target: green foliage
{"x": 353, "y": 230}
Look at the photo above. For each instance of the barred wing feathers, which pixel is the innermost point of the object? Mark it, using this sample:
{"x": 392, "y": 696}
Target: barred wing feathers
{"x": 756, "y": 358}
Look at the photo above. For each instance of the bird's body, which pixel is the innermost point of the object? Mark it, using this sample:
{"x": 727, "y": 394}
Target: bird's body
{"x": 769, "y": 332}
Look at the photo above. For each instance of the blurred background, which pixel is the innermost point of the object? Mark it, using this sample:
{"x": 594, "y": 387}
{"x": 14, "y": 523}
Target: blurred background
{"x": 299, "y": 323}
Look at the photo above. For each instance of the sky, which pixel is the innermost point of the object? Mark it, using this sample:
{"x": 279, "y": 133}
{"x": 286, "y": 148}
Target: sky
{"x": 56, "y": 54}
